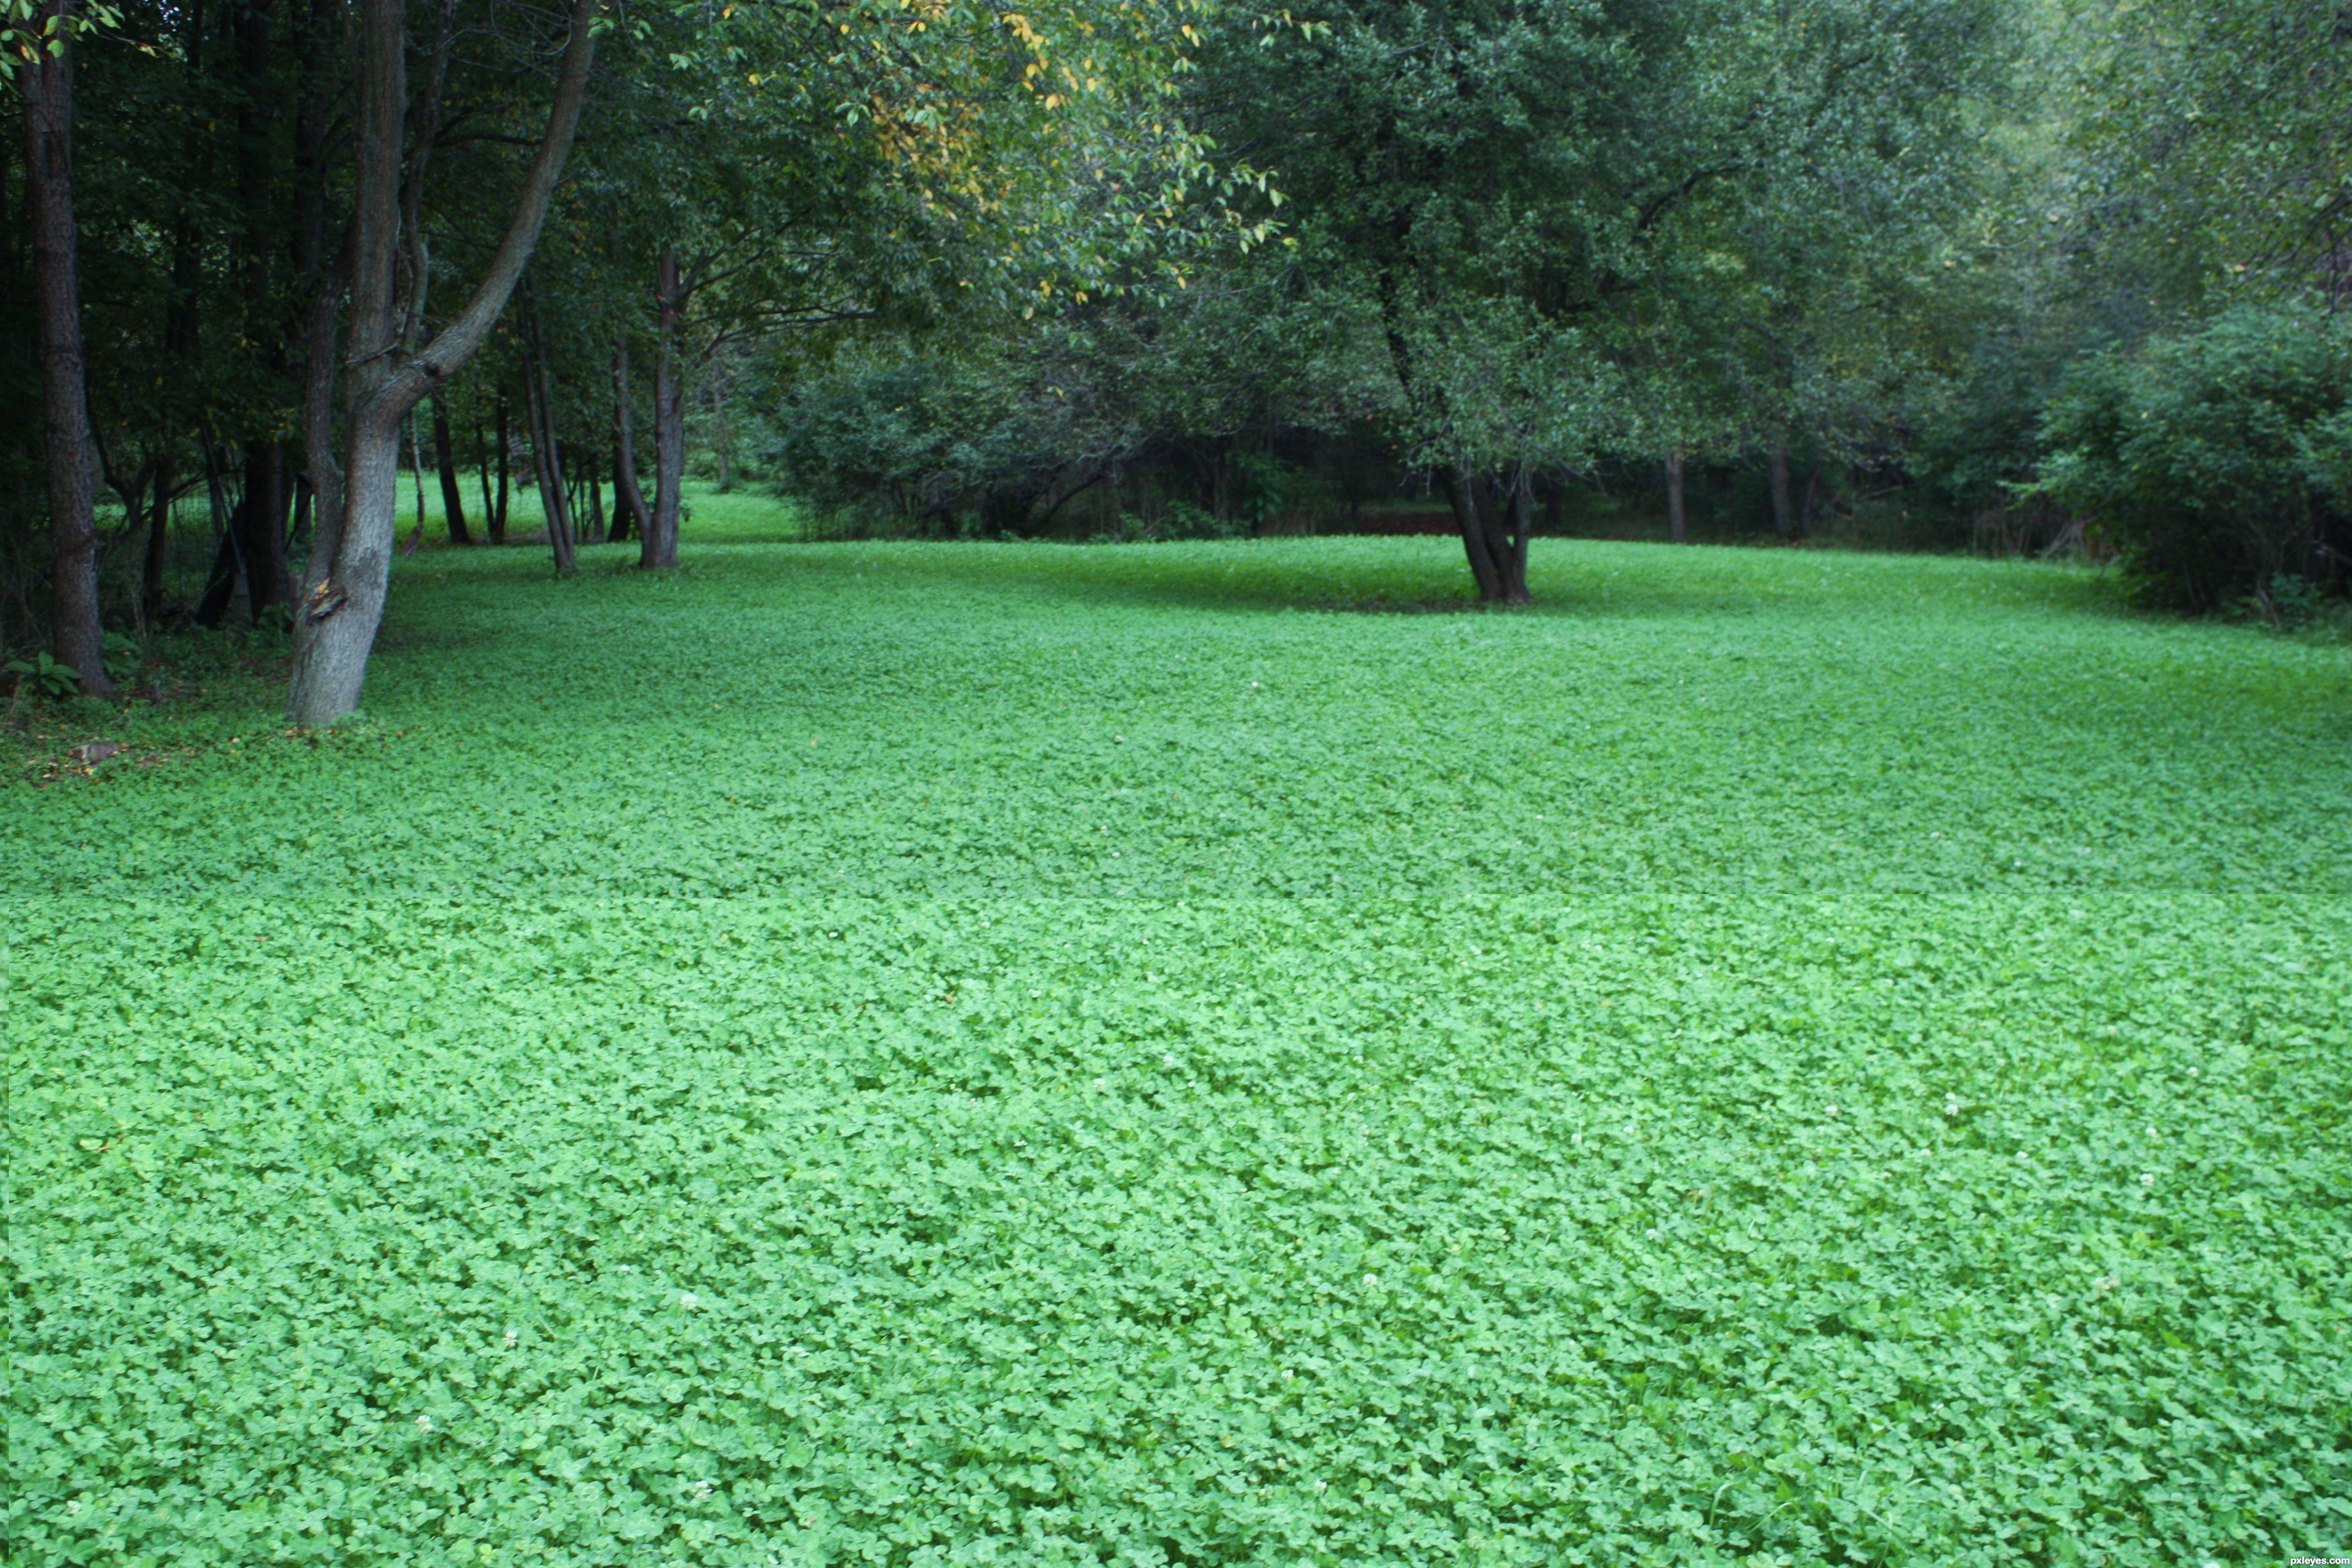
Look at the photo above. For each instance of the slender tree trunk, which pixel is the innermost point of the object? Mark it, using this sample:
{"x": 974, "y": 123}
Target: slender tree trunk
{"x": 1677, "y": 523}
{"x": 1784, "y": 517}
{"x": 45, "y": 83}
{"x": 629, "y": 501}
{"x": 622, "y": 521}
{"x": 659, "y": 546}
{"x": 228, "y": 559}
{"x": 452, "y": 500}
{"x": 497, "y": 518}
{"x": 159, "y": 545}
{"x": 261, "y": 528}
{"x": 482, "y": 467}
{"x": 547, "y": 457}
{"x": 341, "y": 610}
{"x": 1513, "y": 553}
{"x": 724, "y": 436}
{"x": 595, "y": 484}
{"x": 1805, "y": 513}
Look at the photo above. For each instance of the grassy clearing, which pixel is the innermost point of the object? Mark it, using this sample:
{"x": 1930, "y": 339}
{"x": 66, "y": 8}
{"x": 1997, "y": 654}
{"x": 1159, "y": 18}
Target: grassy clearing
{"x": 919, "y": 1053}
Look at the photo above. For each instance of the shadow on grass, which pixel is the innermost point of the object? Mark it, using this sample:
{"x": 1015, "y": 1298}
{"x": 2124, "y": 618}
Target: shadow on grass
{"x": 1406, "y": 576}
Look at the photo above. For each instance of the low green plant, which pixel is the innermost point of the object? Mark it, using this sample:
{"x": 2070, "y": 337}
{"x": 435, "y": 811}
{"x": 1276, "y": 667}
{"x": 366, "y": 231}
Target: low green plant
{"x": 46, "y": 675}
{"x": 123, "y": 657}
{"x": 902, "y": 1053}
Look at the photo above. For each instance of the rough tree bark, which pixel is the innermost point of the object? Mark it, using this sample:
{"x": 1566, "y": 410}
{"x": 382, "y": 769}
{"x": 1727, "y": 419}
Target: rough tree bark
{"x": 658, "y": 543}
{"x": 452, "y": 500}
{"x": 342, "y": 607}
{"x": 628, "y": 500}
{"x": 46, "y": 84}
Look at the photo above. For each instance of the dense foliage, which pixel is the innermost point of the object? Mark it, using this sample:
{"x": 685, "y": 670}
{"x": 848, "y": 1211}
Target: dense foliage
{"x": 2220, "y": 460}
{"x": 1063, "y": 1054}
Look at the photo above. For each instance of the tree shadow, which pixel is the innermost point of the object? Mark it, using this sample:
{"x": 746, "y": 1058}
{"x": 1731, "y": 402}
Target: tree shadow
{"x": 1570, "y": 578}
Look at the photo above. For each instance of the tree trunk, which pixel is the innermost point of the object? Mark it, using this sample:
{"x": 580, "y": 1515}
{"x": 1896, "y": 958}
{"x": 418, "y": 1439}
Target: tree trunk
{"x": 1462, "y": 495}
{"x": 498, "y": 514}
{"x": 452, "y": 500}
{"x": 45, "y": 83}
{"x": 1677, "y": 523}
{"x": 228, "y": 559}
{"x": 340, "y": 611}
{"x": 725, "y": 437}
{"x": 547, "y": 457}
{"x": 1523, "y": 528}
{"x": 658, "y": 549}
{"x": 159, "y": 545}
{"x": 1495, "y": 538}
{"x": 628, "y": 500}
{"x": 595, "y": 484}
{"x": 261, "y": 528}
{"x": 1784, "y": 516}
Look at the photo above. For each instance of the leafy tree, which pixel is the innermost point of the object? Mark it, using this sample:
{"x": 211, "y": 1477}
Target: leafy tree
{"x": 2216, "y": 458}
{"x": 1505, "y": 191}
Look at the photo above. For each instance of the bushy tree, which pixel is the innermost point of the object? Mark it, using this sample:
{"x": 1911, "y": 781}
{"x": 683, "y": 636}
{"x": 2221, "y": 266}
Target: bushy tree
{"x": 2217, "y": 458}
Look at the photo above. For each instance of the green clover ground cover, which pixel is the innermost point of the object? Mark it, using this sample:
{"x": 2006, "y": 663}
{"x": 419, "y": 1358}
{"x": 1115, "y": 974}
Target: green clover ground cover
{"x": 939, "y": 1053}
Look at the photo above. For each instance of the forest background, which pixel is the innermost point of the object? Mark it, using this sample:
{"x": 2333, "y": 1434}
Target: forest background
{"x": 2044, "y": 276}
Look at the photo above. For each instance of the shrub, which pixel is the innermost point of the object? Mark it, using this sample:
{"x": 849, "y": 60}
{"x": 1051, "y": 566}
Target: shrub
{"x": 2217, "y": 459}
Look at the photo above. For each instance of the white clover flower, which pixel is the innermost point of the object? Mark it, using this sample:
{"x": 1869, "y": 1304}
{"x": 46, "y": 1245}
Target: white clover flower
{"x": 688, "y": 1300}
{"x": 512, "y": 1337}
{"x": 701, "y": 1490}
{"x": 1372, "y": 1282}
{"x": 1169, "y": 1061}
{"x": 425, "y": 1424}
{"x": 1322, "y": 1486}
{"x": 2147, "y": 1178}
{"x": 73, "y": 1507}
{"x": 1102, "y": 1083}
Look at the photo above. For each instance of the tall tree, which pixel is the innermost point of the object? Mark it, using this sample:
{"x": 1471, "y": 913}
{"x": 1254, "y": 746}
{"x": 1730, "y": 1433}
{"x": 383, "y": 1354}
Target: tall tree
{"x": 351, "y": 558}
{"x": 1492, "y": 183}
{"x": 43, "y": 67}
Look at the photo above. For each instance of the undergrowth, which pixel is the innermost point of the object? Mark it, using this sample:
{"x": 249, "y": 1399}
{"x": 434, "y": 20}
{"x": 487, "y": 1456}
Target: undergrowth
{"x": 918, "y": 1054}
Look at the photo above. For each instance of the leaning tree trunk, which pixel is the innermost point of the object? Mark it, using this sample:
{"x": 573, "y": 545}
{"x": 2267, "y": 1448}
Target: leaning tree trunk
{"x": 452, "y": 500}
{"x": 658, "y": 548}
{"x": 45, "y": 83}
{"x": 628, "y": 500}
{"x": 340, "y": 609}
{"x": 547, "y": 456}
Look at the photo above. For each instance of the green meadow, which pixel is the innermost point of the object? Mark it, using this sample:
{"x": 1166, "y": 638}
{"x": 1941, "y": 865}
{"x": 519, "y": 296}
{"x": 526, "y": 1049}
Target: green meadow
{"x": 1192, "y": 1054}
